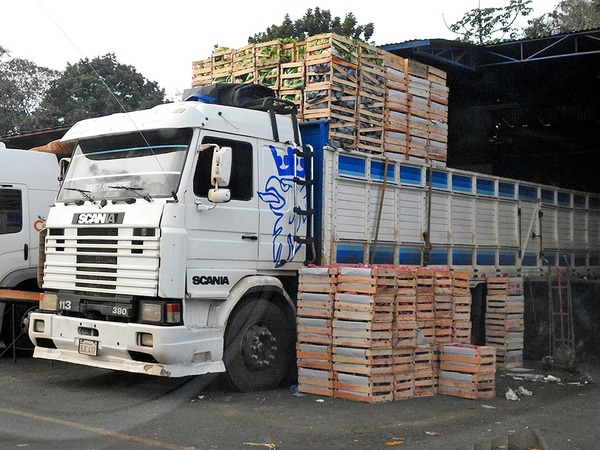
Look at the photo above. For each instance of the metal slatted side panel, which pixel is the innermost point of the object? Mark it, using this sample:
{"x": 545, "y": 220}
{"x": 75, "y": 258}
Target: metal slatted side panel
{"x": 486, "y": 222}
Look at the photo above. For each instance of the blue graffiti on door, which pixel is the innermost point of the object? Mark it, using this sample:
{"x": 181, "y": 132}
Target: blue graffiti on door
{"x": 277, "y": 193}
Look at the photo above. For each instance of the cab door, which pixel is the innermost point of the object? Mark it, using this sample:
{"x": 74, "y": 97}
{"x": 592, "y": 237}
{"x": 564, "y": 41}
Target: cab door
{"x": 222, "y": 236}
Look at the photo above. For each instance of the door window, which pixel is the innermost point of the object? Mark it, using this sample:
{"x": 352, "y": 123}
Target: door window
{"x": 240, "y": 183}
{"x": 11, "y": 211}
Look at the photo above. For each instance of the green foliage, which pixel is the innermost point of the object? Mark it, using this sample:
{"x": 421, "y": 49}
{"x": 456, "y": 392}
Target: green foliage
{"x": 314, "y": 22}
{"x": 568, "y": 16}
{"x": 491, "y": 25}
{"x": 22, "y": 87}
{"x": 95, "y": 88}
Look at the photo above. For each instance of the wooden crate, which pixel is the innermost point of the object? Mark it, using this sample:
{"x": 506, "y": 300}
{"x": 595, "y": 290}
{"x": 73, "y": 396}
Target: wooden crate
{"x": 404, "y": 359}
{"x": 464, "y": 385}
{"x": 292, "y": 76}
{"x": 363, "y": 307}
{"x": 371, "y": 56}
{"x": 362, "y": 334}
{"x": 424, "y": 382}
{"x": 315, "y": 381}
{"x": 222, "y": 60}
{"x": 318, "y": 279}
{"x": 330, "y": 44}
{"x": 364, "y": 388}
{"x": 201, "y": 72}
{"x": 321, "y": 73}
{"x": 369, "y": 361}
{"x": 314, "y": 356}
{"x": 425, "y": 306}
{"x": 244, "y": 58}
{"x": 405, "y": 333}
{"x": 314, "y": 330}
{"x": 404, "y": 385}
{"x": 268, "y": 75}
{"x": 268, "y": 53}
{"x": 468, "y": 358}
{"x": 247, "y": 75}
{"x": 312, "y": 304}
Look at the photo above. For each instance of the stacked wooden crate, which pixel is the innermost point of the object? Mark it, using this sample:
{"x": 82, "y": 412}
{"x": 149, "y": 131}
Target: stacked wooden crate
{"x": 314, "y": 319}
{"x": 461, "y": 307}
{"x": 504, "y": 320}
{"x": 374, "y": 101}
{"x": 467, "y": 371}
{"x": 371, "y": 98}
{"x": 331, "y": 91}
{"x": 375, "y": 333}
{"x": 362, "y": 334}
{"x": 396, "y": 106}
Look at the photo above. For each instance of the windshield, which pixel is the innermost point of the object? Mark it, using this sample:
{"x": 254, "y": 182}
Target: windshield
{"x": 140, "y": 165}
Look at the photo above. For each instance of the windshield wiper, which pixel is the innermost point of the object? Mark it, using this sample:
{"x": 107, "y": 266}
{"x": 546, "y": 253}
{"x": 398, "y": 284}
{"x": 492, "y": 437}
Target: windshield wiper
{"x": 83, "y": 192}
{"x": 135, "y": 190}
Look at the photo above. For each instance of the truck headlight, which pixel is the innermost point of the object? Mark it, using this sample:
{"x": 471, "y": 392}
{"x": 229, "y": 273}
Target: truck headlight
{"x": 152, "y": 312}
{"x": 49, "y": 302}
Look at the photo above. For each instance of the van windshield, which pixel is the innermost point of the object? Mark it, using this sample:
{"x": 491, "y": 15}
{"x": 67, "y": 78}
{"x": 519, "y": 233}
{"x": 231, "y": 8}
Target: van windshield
{"x": 141, "y": 165}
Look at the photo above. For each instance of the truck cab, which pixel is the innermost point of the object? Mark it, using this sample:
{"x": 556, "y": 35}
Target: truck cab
{"x": 174, "y": 245}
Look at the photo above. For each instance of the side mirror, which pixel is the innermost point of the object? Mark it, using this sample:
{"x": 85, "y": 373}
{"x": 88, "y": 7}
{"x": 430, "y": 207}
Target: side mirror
{"x": 63, "y": 165}
{"x": 220, "y": 172}
{"x": 219, "y": 195}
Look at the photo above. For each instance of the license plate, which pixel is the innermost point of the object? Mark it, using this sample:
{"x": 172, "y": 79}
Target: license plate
{"x": 87, "y": 347}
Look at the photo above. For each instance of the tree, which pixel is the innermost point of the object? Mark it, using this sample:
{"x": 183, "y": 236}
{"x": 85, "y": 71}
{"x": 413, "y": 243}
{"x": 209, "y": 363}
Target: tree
{"x": 315, "y": 22}
{"x": 491, "y": 25}
{"x": 22, "y": 87}
{"x": 568, "y": 16}
{"x": 95, "y": 88}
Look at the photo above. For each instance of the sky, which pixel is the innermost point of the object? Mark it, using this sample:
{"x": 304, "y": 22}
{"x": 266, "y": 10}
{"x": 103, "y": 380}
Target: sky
{"x": 161, "y": 39}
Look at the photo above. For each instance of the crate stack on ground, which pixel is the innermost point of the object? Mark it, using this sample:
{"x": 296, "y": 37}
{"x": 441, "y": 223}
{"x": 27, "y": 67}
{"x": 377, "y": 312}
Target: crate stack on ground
{"x": 374, "y": 101}
{"x": 467, "y": 371}
{"x": 504, "y": 320}
{"x": 461, "y": 307}
{"x": 376, "y": 333}
{"x": 362, "y": 334}
{"x": 314, "y": 318}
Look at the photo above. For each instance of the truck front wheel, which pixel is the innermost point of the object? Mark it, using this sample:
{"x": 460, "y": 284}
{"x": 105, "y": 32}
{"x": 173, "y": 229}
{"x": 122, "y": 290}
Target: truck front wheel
{"x": 259, "y": 342}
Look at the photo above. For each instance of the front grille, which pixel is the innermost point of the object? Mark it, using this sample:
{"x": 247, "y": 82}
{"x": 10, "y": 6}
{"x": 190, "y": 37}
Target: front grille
{"x": 103, "y": 260}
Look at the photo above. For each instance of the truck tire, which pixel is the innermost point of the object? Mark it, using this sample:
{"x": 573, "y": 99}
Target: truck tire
{"x": 259, "y": 343}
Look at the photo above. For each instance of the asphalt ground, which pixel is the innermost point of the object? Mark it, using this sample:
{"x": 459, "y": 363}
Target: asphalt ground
{"x": 46, "y": 405}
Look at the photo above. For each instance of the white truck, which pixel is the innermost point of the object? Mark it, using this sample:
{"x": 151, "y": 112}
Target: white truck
{"x": 176, "y": 240}
{"x": 28, "y": 186}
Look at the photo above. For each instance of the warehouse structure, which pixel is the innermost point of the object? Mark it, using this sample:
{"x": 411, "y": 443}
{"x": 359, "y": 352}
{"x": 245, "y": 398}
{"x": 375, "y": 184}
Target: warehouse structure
{"x": 525, "y": 109}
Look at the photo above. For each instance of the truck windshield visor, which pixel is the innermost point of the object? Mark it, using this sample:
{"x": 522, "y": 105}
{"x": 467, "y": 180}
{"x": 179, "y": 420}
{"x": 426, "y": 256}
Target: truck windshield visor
{"x": 145, "y": 164}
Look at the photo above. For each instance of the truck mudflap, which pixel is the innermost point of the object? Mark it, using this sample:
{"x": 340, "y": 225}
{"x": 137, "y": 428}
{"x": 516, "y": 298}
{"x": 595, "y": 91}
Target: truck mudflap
{"x": 171, "y": 352}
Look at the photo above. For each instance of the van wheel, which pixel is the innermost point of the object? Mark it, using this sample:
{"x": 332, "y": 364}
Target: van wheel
{"x": 259, "y": 341}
